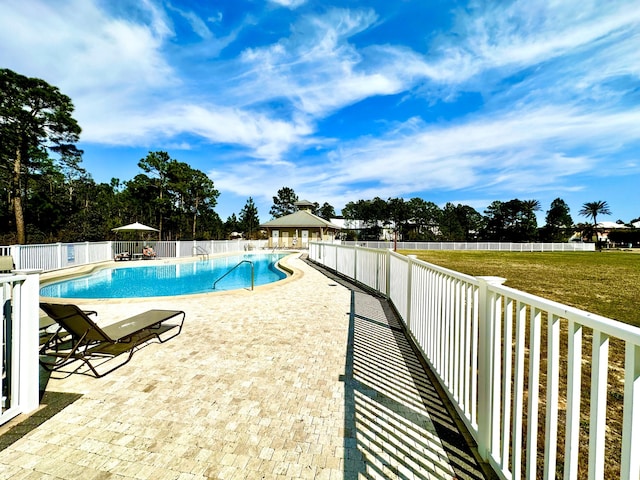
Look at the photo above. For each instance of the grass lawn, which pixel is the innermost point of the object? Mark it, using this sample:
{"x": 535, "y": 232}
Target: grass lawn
{"x": 606, "y": 283}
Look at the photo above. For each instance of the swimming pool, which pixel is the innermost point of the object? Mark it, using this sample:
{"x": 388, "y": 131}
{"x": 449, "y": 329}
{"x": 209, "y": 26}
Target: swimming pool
{"x": 157, "y": 280}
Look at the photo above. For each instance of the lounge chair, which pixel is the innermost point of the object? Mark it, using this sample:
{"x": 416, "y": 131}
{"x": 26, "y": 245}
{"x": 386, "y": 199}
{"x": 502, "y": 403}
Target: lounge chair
{"x": 122, "y": 256}
{"x": 52, "y": 334}
{"x": 89, "y": 342}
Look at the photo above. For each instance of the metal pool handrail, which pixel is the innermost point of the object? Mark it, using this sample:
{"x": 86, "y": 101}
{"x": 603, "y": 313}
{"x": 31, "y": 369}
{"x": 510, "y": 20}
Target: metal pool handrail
{"x": 232, "y": 269}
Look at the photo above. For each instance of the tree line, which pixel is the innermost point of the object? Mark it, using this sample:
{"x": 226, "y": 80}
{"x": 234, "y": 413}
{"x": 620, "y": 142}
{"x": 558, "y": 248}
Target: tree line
{"x": 502, "y": 221}
{"x": 421, "y": 220}
{"x": 48, "y": 197}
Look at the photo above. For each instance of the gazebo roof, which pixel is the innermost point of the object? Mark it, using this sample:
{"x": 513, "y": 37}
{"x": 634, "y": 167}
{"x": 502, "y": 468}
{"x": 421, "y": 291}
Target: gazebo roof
{"x": 301, "y": 204}
{"x": 300, "y": 219}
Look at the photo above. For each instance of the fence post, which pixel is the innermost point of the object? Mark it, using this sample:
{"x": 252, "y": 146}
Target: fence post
{"x": 28, "y": 374}
{"x": 59, "y": 250}
{"x": 355, "y": 263}
{"x": 15, "y": 253}
{"x": 488, "y": 364}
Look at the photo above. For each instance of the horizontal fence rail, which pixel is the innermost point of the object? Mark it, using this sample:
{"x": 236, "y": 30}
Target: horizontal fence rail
{"x": 54, "y": 256}
{"x": 546, "y": 390}
{"x": 490, "y": 246}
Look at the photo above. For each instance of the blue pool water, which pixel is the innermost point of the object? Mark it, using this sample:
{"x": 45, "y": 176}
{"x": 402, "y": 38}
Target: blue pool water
{"x": 155, "y": 279}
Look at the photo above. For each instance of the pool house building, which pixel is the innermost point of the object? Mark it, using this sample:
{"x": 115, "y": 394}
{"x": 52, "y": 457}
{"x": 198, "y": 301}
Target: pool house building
{"x": 297, "y": 229}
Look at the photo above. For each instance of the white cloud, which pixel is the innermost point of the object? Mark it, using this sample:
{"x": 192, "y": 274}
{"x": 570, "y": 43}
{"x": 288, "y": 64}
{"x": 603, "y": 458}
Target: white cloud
{"x": 289, "y": 3}
{"x": 516, "y": 144}
{"x": 110, "y": 67}
{"x": 124, "y": 90}
{"x": 78, "y": 47}
{"x": 523, "y": 33}
{"x": 262, "y": 136}
{"x": 519, "y": 153}
{"x": 317, "y": 70}
{"x": 197, "y": 24}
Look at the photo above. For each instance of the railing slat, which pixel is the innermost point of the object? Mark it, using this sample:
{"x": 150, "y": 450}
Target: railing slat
{"x": 574, "y": 388}
{"x": 506, "y": 382}
{"x": 598, "y": 412}
{"x": 631, "y": 418}
{"x": 467, "y": 350}
{"x": 534, "y": 389}
{"x": 553, "y": 386}
{"x": 518, "y": 388}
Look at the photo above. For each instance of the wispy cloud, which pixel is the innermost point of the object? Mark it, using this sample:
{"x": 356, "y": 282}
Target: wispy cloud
{"x": 198, "y": 25}
{"x": 523, "y": 153}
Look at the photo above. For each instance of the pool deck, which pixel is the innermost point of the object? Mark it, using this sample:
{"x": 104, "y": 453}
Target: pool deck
{"x": 307, "y": 378}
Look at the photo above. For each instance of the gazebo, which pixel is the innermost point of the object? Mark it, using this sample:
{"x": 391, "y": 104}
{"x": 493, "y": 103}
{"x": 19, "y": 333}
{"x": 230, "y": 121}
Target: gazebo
{"x": 297, "y": 229}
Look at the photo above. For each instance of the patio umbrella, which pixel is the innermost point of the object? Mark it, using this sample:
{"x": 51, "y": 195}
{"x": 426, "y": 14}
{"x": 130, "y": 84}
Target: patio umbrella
{"x": 134, "y": 227}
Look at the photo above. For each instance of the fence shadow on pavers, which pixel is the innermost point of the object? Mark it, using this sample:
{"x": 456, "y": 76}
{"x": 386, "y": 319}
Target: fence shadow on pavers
{"x": 389, "y": 430}
{"x": 396, "y": 423}
{"x": 51, "y": 403}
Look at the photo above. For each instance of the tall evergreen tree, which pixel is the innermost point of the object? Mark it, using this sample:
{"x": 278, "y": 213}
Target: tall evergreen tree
{"x": 512, "y": 221}
{"x": 398, "y": 213}
{"x": 249, "y": 220}
{"x": 157, "y": 165}
{"x": 558, "y": 222}
{"x": 35, "y": 119}
{"x": 231, "y": 225}
{"x": 326, "y": 211}
{"x": 529, "y": 223}
{"x": 425, "y": 218}
{"x": 193, "y": 193}
{"x": 283, "y": 203}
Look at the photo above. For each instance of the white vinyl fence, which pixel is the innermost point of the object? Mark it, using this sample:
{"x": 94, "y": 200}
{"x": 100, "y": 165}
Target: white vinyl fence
{"x": 19, "y": 380}
{"x": 55, "y": 256}
{"x": 492, "y": 246}
{"x": 516, "y": 366}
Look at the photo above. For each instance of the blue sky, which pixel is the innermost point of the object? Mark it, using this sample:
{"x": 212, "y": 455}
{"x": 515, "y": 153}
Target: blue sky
{"x": 464, "y": 102}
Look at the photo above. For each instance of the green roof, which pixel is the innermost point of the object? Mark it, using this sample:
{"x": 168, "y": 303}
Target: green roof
{"x": 300, "y": 219}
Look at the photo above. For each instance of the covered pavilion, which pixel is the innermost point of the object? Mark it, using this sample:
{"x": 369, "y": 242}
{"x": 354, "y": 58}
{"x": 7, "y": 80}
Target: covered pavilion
{"x": 297, "y": 229}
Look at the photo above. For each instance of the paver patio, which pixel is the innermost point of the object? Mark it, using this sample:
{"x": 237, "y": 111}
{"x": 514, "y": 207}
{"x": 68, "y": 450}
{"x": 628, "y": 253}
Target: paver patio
{"x": 302, "y": 379}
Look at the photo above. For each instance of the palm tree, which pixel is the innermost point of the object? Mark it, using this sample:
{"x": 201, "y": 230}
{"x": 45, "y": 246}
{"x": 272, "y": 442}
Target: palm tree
{"x": 593, "y": 209}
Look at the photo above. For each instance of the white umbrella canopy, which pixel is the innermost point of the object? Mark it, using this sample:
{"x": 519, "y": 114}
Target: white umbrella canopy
{"x": 134, "y": 227}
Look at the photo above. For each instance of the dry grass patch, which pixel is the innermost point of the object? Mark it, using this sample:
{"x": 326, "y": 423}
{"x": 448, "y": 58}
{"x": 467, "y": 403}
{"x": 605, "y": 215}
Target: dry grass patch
{"x": 606, "y": 283}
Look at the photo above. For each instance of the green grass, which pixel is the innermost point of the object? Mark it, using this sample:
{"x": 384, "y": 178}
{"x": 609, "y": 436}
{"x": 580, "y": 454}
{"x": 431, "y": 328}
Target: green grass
{"x": 606, "y": 283}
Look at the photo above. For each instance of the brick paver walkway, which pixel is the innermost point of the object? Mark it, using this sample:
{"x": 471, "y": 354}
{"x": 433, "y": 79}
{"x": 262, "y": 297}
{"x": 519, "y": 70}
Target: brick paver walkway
{"x": 303, "y": 379}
